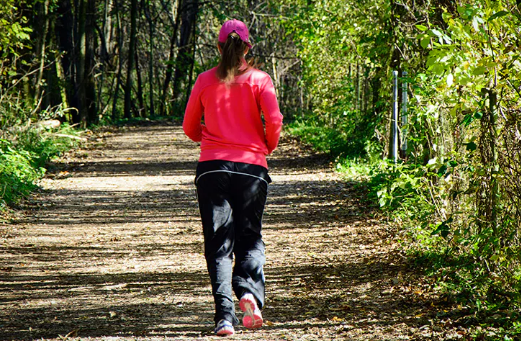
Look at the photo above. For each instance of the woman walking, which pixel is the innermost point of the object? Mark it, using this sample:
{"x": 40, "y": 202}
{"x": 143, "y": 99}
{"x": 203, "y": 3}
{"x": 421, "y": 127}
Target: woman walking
{"x": 232, "y": 177}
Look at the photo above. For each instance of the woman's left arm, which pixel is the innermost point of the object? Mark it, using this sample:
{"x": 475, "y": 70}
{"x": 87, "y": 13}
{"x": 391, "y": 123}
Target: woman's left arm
{"x": 194, "y": 112}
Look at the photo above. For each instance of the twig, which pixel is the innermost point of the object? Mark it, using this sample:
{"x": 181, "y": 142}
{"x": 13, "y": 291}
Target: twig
{"x": 71, "y": 137}
{"x": 72, "y": 333}
{"x": 513, "y": 87}
{"x": 21, "y": 78}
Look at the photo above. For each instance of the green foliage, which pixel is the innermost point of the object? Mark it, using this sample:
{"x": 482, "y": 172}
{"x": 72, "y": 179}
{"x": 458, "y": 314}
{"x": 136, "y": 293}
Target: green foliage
{"x": 24, "y": 155}
{"x": 17, "y": 173}
{"x": 324, "y": 139}
{"x": 43, "y": 143}
{"x": 13, "y": 31}
{"x": 471, "y": 143}
{"x": 457, "y": 191}
{"x": 341, "y": 55}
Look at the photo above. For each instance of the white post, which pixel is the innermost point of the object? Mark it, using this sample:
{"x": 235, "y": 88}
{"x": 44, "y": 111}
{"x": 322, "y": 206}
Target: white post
{"x": 394, "y": 142}
{"x": 404, "y": 113}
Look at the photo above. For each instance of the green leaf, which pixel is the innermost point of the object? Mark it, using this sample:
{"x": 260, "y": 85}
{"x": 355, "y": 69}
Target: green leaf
{"x": 471, "y": 146}
{"x": 479, "y": 70}
{"x": 422, "y": 27}
{"x": 436, "y": 33}
{"x": 425, "y": 42}
{"x": 497, "y": 15}
{"x": 443, "y": 228}
{"x": 442, "y": 170}
{"x": 494, "y": 258}
{"x": 467, "y": 120}
{"x": 438, "y": 68}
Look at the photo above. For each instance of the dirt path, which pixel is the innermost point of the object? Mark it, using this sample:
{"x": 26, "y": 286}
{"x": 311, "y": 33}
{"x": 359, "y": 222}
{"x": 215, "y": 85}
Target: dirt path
{"x": 112, "y": 250}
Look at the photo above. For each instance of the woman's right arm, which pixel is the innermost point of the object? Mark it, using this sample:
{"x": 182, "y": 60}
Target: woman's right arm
{"x": 272, "y": 114}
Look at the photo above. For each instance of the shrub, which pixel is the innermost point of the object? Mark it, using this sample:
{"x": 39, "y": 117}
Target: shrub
{"x": 24, "y": 152}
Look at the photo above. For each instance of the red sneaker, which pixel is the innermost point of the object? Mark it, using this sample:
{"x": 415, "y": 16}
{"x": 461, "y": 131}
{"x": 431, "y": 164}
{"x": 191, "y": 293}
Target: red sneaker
{"x": 252, "y": 314}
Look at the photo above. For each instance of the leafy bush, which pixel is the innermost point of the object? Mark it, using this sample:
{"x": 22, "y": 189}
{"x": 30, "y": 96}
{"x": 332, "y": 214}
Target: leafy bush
{"x": 17, "y": 173}
{"x": 44, "y": 143}
{"x": 23, "y": 154}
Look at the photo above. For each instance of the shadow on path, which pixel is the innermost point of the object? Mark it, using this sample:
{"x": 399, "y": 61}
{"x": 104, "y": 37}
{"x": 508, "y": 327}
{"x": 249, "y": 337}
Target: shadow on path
{"x": 112, "y": 248}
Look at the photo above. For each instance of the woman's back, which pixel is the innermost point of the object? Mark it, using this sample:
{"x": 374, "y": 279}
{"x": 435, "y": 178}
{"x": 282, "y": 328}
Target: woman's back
{"x": 233, "y": 128}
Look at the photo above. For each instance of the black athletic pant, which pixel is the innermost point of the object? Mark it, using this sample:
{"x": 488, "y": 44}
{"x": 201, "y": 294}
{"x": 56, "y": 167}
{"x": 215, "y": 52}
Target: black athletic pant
{"x": 231, "y": 199}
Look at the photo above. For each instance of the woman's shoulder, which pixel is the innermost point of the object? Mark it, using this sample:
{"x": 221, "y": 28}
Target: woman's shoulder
{"x": 206, "y": 78}
{"x": 208, "y": 74}
{"x": 259, "y": 73}
{"x": 258, "y": 76}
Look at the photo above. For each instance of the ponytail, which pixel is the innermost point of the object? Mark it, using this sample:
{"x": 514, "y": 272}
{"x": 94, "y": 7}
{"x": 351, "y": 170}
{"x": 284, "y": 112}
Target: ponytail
{"x": 232, "y": 58}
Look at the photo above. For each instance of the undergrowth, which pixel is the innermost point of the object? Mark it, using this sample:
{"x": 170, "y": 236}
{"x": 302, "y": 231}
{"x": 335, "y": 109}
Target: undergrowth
{"x": 24, "y": 152}
{"x": 451, "y": 251}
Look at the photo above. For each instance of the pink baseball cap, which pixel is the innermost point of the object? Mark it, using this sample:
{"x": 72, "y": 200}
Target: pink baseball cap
{"x": 236, "y": 26}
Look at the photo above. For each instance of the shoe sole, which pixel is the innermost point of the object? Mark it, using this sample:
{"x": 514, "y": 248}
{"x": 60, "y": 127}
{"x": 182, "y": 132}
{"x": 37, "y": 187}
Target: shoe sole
{"x": 224, "y": 332}
{"x": 251, "y": 319}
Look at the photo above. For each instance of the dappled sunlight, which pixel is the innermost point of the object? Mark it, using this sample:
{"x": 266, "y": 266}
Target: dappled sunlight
{"x": 112, "y": 248}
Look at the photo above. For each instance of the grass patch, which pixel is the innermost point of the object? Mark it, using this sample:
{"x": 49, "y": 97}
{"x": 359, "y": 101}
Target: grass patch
{"x": 337, "y": 141}
{"x": 24, "y": 152}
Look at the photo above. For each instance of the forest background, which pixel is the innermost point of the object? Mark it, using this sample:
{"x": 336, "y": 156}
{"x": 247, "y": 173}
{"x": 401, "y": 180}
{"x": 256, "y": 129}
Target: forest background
{"x": 452, "y": 188}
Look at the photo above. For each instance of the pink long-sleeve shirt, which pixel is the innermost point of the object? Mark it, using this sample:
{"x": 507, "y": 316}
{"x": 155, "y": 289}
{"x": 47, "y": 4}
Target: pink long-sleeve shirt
{"x": 233, "y": 128}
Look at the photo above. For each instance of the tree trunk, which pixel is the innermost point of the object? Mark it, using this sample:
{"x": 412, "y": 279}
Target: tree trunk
{"x": 60, "y": 75}
{"x": 105, "y": 38}
{"x": 64, "y": 31}
{"x": 42, "y": 50}
{"x": 395, "y": 62}
{"x": 184, "y": 58}
{"x": 120, "y": 64}
{"x": 170, "y": 68}
{"x": 191, "y": 71}
{"x": 80, "y": 62}
{"x": 131, "y": 59}
{"x": 150, "y": 57}
{"x": 141, "y": 112}
{"x": 90, "y": 62}
{"x": 55, "y": 87}
{"x": 357, "y": 89}
{"x": 107, "y": 26}
{"x": 376, "y": 84}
